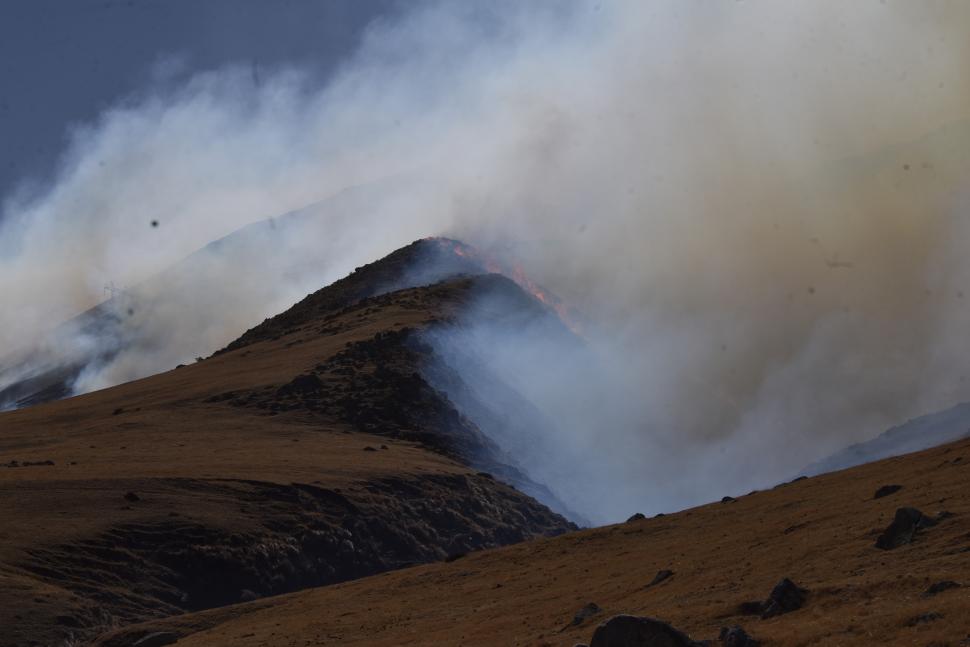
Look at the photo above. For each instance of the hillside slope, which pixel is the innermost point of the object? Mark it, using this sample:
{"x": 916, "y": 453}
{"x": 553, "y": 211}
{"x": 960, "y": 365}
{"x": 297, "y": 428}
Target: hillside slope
{"x": 261, "y": 268}
{"x": 819, "y": 532}
{"x": 312, "y": 455}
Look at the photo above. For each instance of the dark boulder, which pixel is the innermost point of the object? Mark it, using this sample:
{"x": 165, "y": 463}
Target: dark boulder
{"x": 886, "y": 490}
{"x": 660, "y": 577}
{"x": 157, "y": 639}
{"x": 903, "y": 529}
{"x": 301, "y": 385}
{"x": 636, "y": 517}
{"x": 246, "y": 595}
{"x": 751, "y": 608}
{"x": 589, "y": 610}
{"x": 634, "y": 631}
{"x": 940, "y": 587}
{"x": 923, "y": 618}
{"x": 784, "y": 598}
{"x": 736, "y": 637}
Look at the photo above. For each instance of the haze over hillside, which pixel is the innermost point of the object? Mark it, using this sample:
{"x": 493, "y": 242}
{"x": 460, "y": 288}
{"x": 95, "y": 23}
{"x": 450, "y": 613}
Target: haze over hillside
{"x": 374, "y": 427}
{"x": 545, "y": 323}
{"x": 310, "y": 451}
{"x": 566, "y": 261}
{"x": 765, "y": 232}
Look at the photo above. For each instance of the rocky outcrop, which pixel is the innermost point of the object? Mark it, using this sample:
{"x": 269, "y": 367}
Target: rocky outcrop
{"x": 785, "y": 597}
{"x": 906, "y": 523}
{"x": 634, "y": 631}
{"x": 284, "y": 538}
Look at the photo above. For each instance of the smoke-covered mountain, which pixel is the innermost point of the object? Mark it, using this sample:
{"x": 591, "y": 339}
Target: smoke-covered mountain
{"x": 912, "y": 436}
{"x": 199, "y": 304}
{"x": 322, "y": 445}
{"x": 370, "y": 427}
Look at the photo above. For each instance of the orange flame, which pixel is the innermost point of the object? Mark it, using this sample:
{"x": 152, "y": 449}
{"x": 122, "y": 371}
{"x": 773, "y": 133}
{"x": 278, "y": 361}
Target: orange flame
{"x": 517, "y": 274}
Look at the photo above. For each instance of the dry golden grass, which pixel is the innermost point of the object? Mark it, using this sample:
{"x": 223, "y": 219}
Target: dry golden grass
{"x": 819, "y": 531}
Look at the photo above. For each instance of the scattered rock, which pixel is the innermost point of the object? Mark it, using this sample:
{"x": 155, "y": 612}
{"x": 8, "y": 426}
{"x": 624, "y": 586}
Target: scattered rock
{"x": 886, "y": 490}
{"x": 634, "y": 631}
{"x": 905, "y": 525}
{"x": 118, "y": 411}
{"x": 736, "y": 637}
{"x": 369, "y": 449}
{"x": 923, "y": 618}
{"x": 751, "y": 608}
{"x": 940, "y": 587}
{"x": 247, "y": 595}
{"x": 728, "y": 499}
{"x": 660, "y": 577}
{"x": 785, "y": 598}
{"x": 588, "y": 611}
{"x": 132, "y": 497}
{"x": 157, "y": 639}
{"x": 794, "y": 480}
{"x": 301, "y": 385}
{"x": 791, "y": 529}
{"x": 637, "y": 517}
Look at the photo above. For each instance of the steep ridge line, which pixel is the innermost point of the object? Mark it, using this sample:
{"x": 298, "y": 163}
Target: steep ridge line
{"x": 423, "y": 262}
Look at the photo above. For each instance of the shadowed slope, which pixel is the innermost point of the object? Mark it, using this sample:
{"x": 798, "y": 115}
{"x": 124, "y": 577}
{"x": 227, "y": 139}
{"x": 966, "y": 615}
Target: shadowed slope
{"x": 820, "y": 532}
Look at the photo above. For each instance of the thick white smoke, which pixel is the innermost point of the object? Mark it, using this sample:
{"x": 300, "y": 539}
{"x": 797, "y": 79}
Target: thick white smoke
{"x": 759, "y": 207}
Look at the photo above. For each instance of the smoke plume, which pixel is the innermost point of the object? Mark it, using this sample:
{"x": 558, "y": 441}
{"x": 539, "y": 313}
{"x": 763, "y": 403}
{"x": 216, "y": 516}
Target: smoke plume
{"x": 758, "y": 207}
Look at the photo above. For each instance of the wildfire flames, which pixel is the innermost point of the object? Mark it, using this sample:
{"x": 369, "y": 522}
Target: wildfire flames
{"x": 517, "y": 274}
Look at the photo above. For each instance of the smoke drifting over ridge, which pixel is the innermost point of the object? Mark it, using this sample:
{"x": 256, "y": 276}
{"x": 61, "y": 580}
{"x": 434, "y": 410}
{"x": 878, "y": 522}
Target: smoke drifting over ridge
{"x": 759, "y": 207}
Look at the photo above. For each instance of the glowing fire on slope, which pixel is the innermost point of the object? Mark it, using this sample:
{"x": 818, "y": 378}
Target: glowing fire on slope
{"x": 515, "y": 273}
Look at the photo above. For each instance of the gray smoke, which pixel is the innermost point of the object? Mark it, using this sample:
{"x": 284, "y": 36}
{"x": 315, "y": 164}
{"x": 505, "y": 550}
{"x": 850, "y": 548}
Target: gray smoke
{"x": 759, "y": 208}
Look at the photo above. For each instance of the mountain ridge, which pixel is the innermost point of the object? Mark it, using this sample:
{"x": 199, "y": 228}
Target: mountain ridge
{"x": 260, "y": 470}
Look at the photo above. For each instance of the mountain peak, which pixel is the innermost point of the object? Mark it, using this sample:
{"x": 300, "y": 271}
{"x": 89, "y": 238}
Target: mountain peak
{"x": 423, "y": 262}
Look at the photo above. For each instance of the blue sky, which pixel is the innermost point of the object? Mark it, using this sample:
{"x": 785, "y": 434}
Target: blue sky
{"x": 63, "y": 61}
